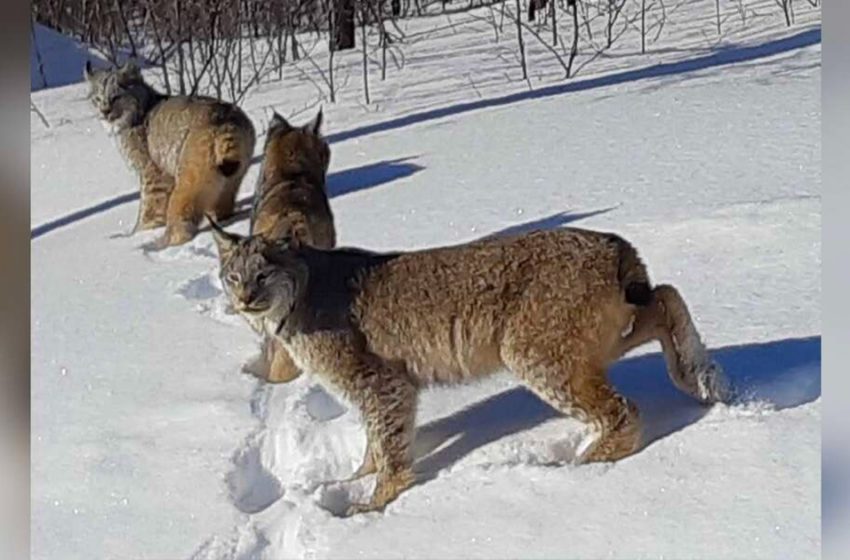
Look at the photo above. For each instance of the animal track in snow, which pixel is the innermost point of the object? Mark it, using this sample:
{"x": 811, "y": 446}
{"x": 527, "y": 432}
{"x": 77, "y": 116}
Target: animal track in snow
{"x": 321, "y": 406}
{"x": 253, "y": 487}
{"x": 207, "y": 293}
{"x": 201, "y": 288}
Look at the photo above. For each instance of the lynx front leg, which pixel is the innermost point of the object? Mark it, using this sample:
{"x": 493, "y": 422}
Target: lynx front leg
{"x": 151, "y": 211}
{"x": 367, "y": 467}
{"x": 387, "y": 489}
{"x": 281, "y": 367}
{"x": 153, "y": 201}
{"x": 156, "y": 185}
{"x": 389, "y": 412}
{"x": 273, "y": 364}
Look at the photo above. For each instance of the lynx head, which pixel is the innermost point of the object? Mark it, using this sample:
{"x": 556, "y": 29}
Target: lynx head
{"x": 120, "y": 95}
{"x": 302, "y": 149}
{"x": 261, "y": 278}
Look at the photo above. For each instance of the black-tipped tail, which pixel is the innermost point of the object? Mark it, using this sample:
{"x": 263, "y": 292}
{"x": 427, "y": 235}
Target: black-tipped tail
{"x": 631, "y": 273}
{"x": 638, "y": 293}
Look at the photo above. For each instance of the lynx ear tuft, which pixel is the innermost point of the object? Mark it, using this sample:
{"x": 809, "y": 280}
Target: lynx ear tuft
{"x": 315, "y": 126}
{"x": 130, "y": 70}
{"x": 279, "y": 122}
{"x": 225, "y": 241}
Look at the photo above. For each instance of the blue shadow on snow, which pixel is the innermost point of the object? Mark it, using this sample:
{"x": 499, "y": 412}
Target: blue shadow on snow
{"x": 69, "y": 219}
{"x": 724, "y": 56}
{"x": 783, "y": 373}
{"x": 370, "y": 175}
{"x": 339, "y": 183}
{"x": 552, "y": 221}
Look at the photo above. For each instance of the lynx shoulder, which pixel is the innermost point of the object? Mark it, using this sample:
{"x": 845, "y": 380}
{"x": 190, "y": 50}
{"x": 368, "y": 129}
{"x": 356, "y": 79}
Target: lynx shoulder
{"x": 190, "y": 152}
{"x": 555, "y": 308}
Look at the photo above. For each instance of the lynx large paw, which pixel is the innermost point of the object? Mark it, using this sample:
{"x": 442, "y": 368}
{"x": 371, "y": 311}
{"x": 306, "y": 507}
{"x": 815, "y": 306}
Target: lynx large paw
{"x": 711, "y": 384}
{"x": 178, "y": 233}
{"x": 621, "y": 440}
{"x": 356, "y": 508}
{"x": 387, "y": 489}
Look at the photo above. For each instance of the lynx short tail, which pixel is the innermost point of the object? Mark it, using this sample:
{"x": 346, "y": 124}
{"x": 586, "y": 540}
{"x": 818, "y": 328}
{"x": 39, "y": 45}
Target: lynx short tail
{"x": 228, "y": 154}
{"x": 631, "y": 274}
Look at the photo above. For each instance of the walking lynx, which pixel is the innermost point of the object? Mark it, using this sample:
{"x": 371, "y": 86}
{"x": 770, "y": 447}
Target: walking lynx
{"x": 290, "y": 199}
{"x": 555, "y": 308}
{"x": 190, "y": 152}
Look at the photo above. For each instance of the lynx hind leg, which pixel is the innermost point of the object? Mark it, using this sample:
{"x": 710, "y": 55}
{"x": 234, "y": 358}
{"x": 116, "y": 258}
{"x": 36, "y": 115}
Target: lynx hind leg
{"x": 152, "y": 207}
{"x": 182, "y": 217}
{"x": 389, "y": 412}
{"x": 564, "y": 376}
{"x": 689, "y": 365}
{"x": 225, "y": 201}
{"x": 194, "y": 185}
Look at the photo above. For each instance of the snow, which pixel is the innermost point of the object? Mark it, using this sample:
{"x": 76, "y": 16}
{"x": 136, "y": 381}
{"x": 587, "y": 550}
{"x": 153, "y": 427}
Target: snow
{"x": 148, "y": 441}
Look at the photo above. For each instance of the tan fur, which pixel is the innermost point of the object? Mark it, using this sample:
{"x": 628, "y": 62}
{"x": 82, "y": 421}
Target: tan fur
{"x": 291, "y": 203}
{"x": 274, "y": 364}
{"x": 551, "y": 307}
{"x": 191, "y": 153}
{"x": 189, "y": 139}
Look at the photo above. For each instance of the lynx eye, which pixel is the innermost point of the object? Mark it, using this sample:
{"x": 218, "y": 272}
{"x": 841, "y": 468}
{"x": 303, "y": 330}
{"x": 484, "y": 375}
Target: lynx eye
{"x": 232, "y": 278}
{"x": 262, "y": 278}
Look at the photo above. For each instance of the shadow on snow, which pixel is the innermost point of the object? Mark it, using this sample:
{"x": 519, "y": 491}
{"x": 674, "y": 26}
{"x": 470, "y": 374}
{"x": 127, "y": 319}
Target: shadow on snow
{"x": 782, "y": 373}
{"x": 339, "y": 183}
{"x": 723, "y": 56}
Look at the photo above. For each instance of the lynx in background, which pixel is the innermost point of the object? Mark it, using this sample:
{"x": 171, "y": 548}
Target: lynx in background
{"x": 190, "y": 152}
{"x": 553, "y": 307}
{"x": 290, "y": 201}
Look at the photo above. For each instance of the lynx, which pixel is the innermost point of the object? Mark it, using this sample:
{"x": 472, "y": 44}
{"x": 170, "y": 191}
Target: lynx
{"x": 290, "y": 201}
{"x": 190, "y": 152}
{"x": 555, "y": 308}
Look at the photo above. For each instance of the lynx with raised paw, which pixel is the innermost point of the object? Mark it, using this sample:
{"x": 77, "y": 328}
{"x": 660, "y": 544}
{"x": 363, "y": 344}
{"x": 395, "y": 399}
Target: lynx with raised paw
{"x": 555, "y": 308}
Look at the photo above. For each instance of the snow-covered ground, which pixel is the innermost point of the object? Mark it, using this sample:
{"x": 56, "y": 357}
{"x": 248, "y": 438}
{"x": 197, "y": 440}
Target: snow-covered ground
{"x": 148, "y": 442}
